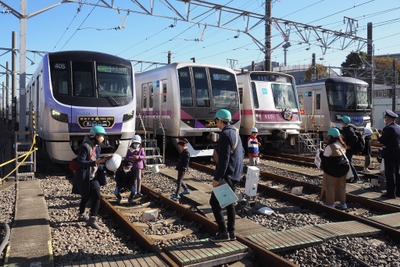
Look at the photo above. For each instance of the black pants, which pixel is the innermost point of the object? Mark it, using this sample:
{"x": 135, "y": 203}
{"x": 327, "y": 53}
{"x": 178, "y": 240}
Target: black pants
{"x": 392, "y": 176}
{"x": 94, "y": 195}
{"x": 180, "y": 182}
{"x": 219, "y": 217}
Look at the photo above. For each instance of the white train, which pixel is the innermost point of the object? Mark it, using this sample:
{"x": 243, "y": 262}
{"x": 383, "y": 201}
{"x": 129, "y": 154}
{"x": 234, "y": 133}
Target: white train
{"x": 181, "y": 99}
{"x": 324, "y": 102}
{"x": 268, "y": 101}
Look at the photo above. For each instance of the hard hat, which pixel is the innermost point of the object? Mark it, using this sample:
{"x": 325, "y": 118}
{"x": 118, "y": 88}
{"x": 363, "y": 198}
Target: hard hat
{"x": 254, "y": 130}
{"x": 346, "y": 119}
{"x": 137, "y": 139}
{"x": 114, "y": 162}
{"x": 223, "y": 115}
{"x": 334, "y": 132}
{"x": 97, "y": 130}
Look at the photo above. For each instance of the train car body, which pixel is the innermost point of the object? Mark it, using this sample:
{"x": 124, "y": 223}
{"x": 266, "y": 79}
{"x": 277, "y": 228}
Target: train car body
{"x": 324, "y": 102}
{"x": 269, "y": 102}
{"x": 181, "y": 99}
{"x": 73, "y": 90}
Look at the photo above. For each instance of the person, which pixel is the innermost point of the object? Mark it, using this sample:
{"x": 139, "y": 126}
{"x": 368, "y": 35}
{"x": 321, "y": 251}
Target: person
{"x": 253, "y": 148}
{"x": 89, "y": 174}
{"x": 350, "y": 139}
{"x": 136, "y": 155}
{"x": 182, "y": 167}
{"x": 335, "y": 168}
{"x": 228, "y": 170}
{"x": 125, "y": 179}
{"x": 367, "y": 135}
{"x": 390, "y": 138}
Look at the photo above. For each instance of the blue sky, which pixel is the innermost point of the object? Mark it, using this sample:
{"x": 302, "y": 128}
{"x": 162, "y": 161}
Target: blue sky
{"x": 148, "y": 38}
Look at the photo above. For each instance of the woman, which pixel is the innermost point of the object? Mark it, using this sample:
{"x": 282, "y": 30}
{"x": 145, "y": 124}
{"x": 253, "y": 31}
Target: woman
{"x": 335, "y": 166}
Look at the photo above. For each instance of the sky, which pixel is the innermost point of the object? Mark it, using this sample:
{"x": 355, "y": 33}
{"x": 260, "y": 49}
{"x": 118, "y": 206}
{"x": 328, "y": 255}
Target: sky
{"x": 139, "y": 37}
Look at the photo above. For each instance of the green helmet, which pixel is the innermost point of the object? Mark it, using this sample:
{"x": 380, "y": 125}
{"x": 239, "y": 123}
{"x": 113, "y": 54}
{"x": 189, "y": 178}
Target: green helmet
{"x": 346, "y": 119}
{"x": 97, "y": 130}
{"x": 223, "y": 115}
{"x": 334, "y": 132}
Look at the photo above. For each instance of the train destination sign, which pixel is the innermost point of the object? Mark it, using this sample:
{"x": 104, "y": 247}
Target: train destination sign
{"x": 86, "y": 122}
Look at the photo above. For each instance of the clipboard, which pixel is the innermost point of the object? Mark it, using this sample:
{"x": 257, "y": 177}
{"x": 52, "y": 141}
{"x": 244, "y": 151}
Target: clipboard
{"x": 225, "y": 195}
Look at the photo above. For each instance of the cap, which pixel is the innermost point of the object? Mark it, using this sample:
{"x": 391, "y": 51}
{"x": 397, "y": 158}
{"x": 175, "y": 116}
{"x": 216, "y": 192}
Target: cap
{"x": 389, "y": 113}
{"x": 126, "y": 163}
{"x": 346, "y": 119}
{"x": 182, "y": 141}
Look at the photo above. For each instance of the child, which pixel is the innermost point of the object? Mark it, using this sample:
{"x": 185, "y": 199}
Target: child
{"x": 182, "y": 166}
{"x": 125, "y": 179}
{"x": 136, "y": 155}
{"x": 253, "y": 148}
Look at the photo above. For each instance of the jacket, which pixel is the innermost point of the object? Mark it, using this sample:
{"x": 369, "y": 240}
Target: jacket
{"x": 183, "y": 161}
{"x": 349, "y": 136}
{"x": 230, "y": 165}
{"x": 137, "y": 163}
{"x": 333, "y": 161}
{"x": 390, "y": 139}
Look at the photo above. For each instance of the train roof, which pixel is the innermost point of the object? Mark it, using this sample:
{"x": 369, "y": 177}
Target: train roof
{"x": 177, "y": 65}
{"x": 339, "y": 79}
{"x": 82, "y": 55}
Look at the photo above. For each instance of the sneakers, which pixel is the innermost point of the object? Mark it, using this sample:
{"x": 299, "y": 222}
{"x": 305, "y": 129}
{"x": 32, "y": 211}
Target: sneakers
{"x": 92, "y": 223}
{"x": 82, "y": 217}
{"x": 232, "y": 236}
{"x": 119, "y": 198}
{"x": 389, "y": 196}
{"x": 220, "y": 237}
{"x": 185, "y": 192}
{"x": 342, "y": 206}
{"x": 175, "y": 197}
{"x": 367, "y": 170}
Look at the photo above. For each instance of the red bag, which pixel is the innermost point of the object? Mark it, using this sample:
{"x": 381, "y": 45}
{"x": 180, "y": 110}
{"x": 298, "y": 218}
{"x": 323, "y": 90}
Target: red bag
{"x": 74, "y": 165}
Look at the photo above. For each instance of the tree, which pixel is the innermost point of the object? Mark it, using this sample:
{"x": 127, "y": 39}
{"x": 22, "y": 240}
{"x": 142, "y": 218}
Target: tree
{"x": 355, "y": 64}
{"x": 384, "y": 70}
{"x": 320, "y": 72}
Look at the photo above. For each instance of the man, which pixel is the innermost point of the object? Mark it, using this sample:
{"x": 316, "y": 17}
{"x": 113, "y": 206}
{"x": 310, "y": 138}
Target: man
{"x": 390, "y": 138}
{"x": 228, "y": 170}
{"x": 350, "y": 138}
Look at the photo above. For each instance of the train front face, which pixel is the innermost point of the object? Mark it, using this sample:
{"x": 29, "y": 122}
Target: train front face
{"x": 275, "y": 106}
{"x": 203, "y": 91}
{"x": 348, "y": 97}
{"x": 86, "y": 89}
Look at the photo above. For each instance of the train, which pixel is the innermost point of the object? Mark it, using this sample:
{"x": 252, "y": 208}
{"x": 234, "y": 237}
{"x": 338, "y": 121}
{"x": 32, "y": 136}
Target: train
{"x": 71, "y": 91}
{"x": 268, "y": 101}
{"x": 180, "y": 100}
{"x": 324, "y": 102}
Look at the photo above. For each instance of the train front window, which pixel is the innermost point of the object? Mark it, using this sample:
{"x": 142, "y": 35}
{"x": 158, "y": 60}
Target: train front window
{"x": 346, "y": 96}
{"x": 201, "y": 85}
{"x": 185, "y": 87}
{"x": 225, "y": 93}
{"x": 59, "y": 78}
{"x": 83, "y": 79}
{"x": 284, "y": 96}
{"x": 113, "y": 81}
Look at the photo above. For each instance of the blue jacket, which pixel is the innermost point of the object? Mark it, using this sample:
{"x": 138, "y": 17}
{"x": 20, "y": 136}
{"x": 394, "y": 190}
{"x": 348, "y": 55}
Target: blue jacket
{"x": 230, "y": 165}
{"x": 391, "y": 141}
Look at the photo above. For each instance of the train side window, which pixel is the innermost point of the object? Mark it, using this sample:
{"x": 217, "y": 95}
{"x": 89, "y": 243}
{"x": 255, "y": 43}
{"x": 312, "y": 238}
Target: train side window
{"x": 201, "y": 87}
{"x": 83, "y": 79}
{"x": 255, "y": 96}
{"x": 318, "y": 101}
{"x": 241, "y": 93}
{"x": 151, "y": 95}
{"x": 144, "y": 95}
{"x": 164, "y": 86}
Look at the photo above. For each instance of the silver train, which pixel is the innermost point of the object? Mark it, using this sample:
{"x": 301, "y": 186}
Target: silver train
{"x": 181, "y": 99}
{"x": 268, "y": 101}
{"x": 71, "y": 91}
{"x": 324, "y": 102}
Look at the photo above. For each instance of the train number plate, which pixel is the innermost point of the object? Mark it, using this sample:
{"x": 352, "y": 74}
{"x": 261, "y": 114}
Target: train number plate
{"x": 86, "y": 122}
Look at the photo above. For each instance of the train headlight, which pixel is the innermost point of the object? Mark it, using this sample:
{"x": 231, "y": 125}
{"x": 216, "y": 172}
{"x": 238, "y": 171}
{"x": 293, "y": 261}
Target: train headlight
{"x": 127, "y": 116}
{"x": 58, "y": 116}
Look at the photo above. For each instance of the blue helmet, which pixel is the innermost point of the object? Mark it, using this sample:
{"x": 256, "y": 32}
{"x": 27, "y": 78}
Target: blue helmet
{"x": 223, "y": 115}
{"x": 97, "y": 130}
{"x": 334, "y": 132}
{"x": 346, "y": 119}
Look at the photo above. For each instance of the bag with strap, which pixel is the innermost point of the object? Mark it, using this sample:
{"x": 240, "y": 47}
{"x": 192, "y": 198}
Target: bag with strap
{"x": 215, "y": 153}
{"x": 360, "y": 144}
{"x": 74, "y": 164}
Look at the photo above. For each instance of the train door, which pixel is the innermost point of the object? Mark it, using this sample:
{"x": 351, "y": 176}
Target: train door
{"x": 201, "y": 84}
{"x": 147, "y": 104}
{"x": 159, "y": 100}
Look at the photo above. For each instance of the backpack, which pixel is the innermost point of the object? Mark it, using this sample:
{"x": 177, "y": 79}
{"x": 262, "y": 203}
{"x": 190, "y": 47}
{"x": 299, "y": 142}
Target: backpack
{"x": 360, "y": 144}
{"x": 74, "y": 164}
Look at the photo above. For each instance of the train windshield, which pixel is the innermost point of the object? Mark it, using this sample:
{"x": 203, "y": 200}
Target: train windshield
{"x": 113, "y": 81}
{"x": 224, "y": 91}
{"x": 283, "y": 95}
{"x": 347, "y": 96}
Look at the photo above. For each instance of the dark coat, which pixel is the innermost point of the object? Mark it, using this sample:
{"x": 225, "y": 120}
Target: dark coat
{"x": 124, "y": 180}
{"x": 230, "y": 165}
{"x": 390, "y": 139}
{"x": 183, "y": 161}
{"x": 349, "y": 136}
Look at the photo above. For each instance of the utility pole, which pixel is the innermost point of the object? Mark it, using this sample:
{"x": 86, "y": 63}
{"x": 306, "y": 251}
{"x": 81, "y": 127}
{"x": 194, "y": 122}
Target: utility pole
{"x": 394, "y": 86}
{"x": 268, "y": 16}
{"x": 371, "y": 71}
